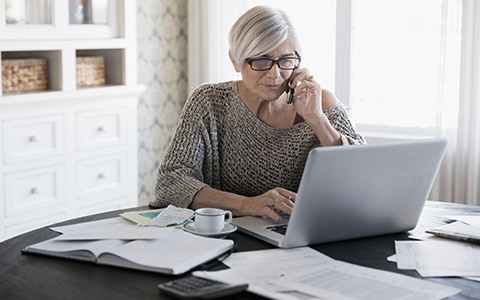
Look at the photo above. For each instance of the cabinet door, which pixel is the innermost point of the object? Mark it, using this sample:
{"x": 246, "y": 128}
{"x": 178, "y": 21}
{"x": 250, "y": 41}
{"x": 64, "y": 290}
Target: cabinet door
{"x": 33, "y": 138}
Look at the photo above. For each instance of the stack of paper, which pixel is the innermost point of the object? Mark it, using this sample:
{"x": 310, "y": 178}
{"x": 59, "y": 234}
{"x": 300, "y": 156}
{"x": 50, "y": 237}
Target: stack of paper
{"x": 304, "y": 273}
{"x": 457, "y": 255}
{"x": 439, "y": 258}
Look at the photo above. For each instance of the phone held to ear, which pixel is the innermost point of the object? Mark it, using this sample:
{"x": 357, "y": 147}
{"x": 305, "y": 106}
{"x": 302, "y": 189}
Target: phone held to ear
{"x": 291, "y": 91}
{"x": 290, "y": 95}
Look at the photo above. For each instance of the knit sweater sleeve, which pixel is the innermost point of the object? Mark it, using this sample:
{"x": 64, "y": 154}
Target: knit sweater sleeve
{"x": 338, "y": 117}
{"x": 180, "y": 174}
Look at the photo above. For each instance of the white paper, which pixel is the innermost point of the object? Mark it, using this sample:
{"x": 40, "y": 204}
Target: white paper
{"x": 472, "y": 220}
{"x": 113, "y": 228}
{"x": 340, "y": 280}
{"x": 264, "y": 266}
{"x": 79, "y": 227}
{"x": 171, "y": 216}
{"x": 97, "y": 247}
{"x": 439, "y": 258}
{"x": 304, "y": 273}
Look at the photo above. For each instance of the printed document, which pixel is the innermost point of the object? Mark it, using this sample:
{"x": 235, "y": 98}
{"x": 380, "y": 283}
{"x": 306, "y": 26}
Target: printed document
{"x": 304, "y": 273}
{"x": 438, "y": 258}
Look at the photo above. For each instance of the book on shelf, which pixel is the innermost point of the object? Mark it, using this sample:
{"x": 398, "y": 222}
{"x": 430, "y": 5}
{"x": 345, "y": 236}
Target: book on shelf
{"x": 176, "y": 253}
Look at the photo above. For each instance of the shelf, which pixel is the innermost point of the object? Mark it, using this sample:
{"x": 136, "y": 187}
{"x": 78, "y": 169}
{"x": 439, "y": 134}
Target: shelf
{"x": 114, "y": 65}
{"x": 48, "y": 97}
{"x": 63, "y": 61}
{"x": 53, "y": 58}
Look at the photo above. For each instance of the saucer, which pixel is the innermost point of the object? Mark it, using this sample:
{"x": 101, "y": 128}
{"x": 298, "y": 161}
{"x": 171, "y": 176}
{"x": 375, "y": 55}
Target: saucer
{"x": 227, "y": 229}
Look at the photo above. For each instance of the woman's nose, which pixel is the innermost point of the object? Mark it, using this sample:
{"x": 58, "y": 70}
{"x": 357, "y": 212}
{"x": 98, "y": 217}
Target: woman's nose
{"x": 274, "y": 72}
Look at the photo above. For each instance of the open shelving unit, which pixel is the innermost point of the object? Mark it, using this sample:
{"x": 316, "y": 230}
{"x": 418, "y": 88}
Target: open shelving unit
{"x": 67, "y": 150}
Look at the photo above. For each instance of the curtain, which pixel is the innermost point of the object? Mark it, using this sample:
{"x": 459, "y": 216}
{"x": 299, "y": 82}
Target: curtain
{"x": 459, "y": 112}
{"x": 208, "y": 24}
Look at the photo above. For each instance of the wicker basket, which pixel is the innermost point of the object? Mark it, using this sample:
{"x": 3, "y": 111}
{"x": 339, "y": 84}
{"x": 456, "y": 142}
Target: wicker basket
{"x": 24, "y": 75}
{"x": 90, "y": 71}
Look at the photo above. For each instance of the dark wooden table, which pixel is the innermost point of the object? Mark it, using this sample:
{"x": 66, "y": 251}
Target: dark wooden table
{"x": 27, "y": 276}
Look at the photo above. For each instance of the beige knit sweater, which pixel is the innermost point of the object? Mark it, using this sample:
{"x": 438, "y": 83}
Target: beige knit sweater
{"x": 220, "y": 143}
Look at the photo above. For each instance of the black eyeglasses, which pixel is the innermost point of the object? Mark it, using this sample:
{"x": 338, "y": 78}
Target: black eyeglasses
{"x": 264, "y": 64}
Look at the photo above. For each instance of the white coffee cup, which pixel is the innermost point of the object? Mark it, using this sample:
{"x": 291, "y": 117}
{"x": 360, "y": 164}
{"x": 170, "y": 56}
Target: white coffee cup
{"x": 211, "y": 220}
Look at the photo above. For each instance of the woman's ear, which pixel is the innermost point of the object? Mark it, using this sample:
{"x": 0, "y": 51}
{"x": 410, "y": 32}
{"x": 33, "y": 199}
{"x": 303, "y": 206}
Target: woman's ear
{"x": 234, "y": 63}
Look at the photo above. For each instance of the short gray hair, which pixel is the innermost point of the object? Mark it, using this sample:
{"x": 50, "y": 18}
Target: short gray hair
{"x": 259, "y": 31}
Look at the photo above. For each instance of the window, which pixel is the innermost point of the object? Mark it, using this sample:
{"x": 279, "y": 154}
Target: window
{"x": 398, "y": 54}
{"x": 392, "y": 62}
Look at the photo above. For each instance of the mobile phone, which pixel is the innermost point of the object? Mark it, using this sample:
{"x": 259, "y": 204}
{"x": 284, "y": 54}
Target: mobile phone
{"x": 192, "y": 287}
{"x": 290, "y": 95}
{"x": 291, "y": 91}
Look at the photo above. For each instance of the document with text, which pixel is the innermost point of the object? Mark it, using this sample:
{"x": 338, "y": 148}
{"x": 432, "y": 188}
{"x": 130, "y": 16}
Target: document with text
{"x": 302, "y": 273}
{"x": 438, "y": 258}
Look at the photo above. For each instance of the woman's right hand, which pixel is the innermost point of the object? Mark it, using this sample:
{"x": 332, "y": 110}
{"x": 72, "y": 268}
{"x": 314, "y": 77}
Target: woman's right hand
{"x": 270, "y": 203}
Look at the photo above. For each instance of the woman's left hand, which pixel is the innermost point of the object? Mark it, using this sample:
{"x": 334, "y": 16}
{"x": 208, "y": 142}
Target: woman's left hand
{"x": 308, "y": 94}
{"x": 310, "y": 102}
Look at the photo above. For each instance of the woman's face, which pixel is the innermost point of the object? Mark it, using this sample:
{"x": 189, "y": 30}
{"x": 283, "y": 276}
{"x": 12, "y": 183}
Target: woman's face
{"x": 270, "y": 84}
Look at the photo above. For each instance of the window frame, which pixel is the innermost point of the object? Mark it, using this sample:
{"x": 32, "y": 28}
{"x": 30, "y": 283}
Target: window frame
{"x": 343, "y": 49}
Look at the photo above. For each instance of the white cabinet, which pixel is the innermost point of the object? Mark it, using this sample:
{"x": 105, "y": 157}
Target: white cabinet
{"x": 67, "y": 150}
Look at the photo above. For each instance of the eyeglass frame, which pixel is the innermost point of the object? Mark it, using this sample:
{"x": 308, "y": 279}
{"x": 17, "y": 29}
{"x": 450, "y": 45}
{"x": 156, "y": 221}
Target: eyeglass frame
{"x": 275, "y": 61}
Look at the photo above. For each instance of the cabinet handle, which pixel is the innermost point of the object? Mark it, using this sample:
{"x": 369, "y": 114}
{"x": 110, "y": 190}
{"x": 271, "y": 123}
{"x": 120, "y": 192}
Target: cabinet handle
{"x": 34, "y": 191}
{"x": 102, "y": 176}
{"x": 102, "y": 128}
{"x": 34, "y": 138}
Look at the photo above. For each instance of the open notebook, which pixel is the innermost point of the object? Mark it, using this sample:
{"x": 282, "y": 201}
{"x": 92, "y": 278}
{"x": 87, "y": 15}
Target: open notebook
{"x": 355, "y": 191}
{"x": 176, "y": 253}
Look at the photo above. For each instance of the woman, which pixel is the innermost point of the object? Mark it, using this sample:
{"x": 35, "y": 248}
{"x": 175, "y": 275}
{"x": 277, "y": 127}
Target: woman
{"x": 241, "y": 145}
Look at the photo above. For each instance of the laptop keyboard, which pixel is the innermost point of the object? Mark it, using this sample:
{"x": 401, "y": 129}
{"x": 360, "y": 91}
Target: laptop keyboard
{"x": 278, "y": 228}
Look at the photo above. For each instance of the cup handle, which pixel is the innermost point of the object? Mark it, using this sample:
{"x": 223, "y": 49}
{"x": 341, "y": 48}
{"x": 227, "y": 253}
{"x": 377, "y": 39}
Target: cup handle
{"x": 228, "y": 214}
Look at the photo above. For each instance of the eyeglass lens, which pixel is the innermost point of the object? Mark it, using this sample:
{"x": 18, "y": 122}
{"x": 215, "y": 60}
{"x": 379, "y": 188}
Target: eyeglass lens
{"x": 263, "y": 64}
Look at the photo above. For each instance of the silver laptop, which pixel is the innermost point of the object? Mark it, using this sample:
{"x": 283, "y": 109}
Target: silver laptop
{"x": 355, "y": 191}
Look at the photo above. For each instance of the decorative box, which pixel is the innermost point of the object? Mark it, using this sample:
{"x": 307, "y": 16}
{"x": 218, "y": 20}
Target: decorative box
{"x": 90, "y": 71}
{"x": 24, "y": 75}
